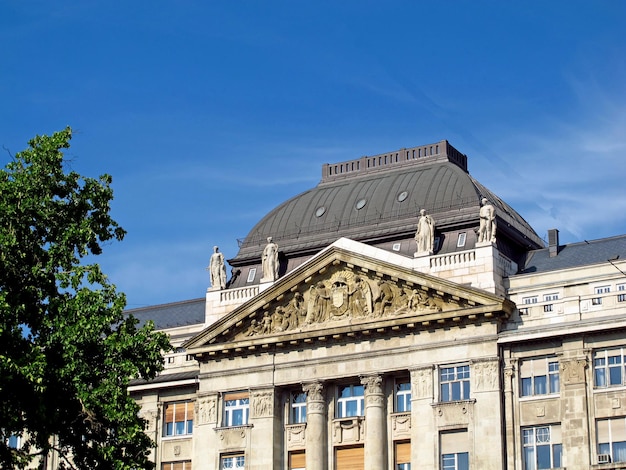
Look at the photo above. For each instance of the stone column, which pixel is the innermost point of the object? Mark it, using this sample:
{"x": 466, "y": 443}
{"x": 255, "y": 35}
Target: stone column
{"x": 510, "y": 441}
{"x": 315, "y": 448}
{"x": 574, "y": 417}
{"x": 375, "y": 424}
{"x": 424, "y": 437}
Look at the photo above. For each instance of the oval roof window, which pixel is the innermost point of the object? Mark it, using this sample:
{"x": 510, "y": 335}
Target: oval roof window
{"x": 402, "y": 196}
{"x": 320, "y": 211}
{"x": 360, "y": 204}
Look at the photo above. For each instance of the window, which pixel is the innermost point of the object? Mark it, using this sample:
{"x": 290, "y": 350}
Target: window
{"x": 550, "y": 297}
{"x": 612, "y": 438}
{"x": 608, "y": 367}
{"x": 185, "y": 465}
{"x": 171, "y": 359}
{"x": 14, "y": 441}
{"x": 460, "y": 242}
{"x": 350, "y": 458}
{"x": 236, "y": 409}
{"x": 523, "y": 311}
{"x": 621, "y": 297}
{"x": 548, "y": 308}
{"x": 350, "y": 401}
{"x": 600, "y": 290}
{"x": 233, "y": 461}
{"x": 396, "y": 246}
{"x": 403, "y": 456}
{"x": 403, "y": 396}
{"x": 298, "y": 408}
{"x": 251, "y": 275}
{"x": 297, "y": 460}
{"x": 539, "y": 376}
{"x": 529, "y": 300}
{"x": 454, "y": 450}
{"x": 178, "y": 418}
{"x": 542, "y": 447}
{"x": 455, "y": 383}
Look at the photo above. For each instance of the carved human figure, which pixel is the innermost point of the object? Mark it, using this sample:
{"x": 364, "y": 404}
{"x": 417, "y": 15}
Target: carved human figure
{"x": 317, "y": 306}
{"x": 217, "y": 269}
{"x": 269, "y": 261}
{"x": 361, "y": 298}
{"x": 384, "y": 298}
{"x": 425, "y": 235}
{"x": 487, "y": 229}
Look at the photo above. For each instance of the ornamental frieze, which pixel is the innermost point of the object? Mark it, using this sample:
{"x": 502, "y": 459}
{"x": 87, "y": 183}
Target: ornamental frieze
{"x": 344, "y": 295}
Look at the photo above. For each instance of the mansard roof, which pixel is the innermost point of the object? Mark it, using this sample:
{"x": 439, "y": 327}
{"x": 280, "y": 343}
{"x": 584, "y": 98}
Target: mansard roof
{"x": 575, "y": 255}
{"x": 379, "y": 197}
{"x": 347, "y": 291}
{"x": 171, "y": 315}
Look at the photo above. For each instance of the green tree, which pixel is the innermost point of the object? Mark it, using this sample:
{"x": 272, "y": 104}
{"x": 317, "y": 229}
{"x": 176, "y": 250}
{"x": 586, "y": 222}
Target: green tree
{"x": 67, "y": 350}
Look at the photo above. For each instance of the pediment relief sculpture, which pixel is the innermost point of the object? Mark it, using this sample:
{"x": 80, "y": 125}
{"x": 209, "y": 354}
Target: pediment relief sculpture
{"x": 345, "y": 296}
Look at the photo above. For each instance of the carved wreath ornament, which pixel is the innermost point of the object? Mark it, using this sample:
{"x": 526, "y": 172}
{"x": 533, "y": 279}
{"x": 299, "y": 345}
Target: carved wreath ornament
{"x": 345, "y": 295}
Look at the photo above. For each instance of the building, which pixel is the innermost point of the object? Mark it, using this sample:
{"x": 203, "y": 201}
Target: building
{"x": 398, "y": 315}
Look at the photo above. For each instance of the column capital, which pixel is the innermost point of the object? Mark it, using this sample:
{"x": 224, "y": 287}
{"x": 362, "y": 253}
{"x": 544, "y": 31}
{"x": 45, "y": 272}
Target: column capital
{"x": 314, "y": 390}
{"x": 373, "y": 383}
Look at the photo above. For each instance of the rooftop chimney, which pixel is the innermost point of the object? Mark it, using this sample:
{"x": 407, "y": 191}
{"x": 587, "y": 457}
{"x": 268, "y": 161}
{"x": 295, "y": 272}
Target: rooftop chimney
{"x": 553, "y": 242}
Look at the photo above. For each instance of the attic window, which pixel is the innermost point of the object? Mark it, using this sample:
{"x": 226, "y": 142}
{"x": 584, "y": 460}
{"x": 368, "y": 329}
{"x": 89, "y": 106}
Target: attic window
{"x": 402, "y": 196}
{"x": 251, "y": 275}
{"x": 460, "y": 242}
{"x": 396, "y": 246}
{"x": 360, "y": 204}
{"x": 320, "y": 211}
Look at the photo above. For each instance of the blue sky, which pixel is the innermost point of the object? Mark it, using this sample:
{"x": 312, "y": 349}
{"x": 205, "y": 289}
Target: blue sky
{"x": 209, "y": 114}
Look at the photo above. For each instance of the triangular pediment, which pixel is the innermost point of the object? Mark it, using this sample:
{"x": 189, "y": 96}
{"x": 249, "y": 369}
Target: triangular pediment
{"x": 349, "y": 289}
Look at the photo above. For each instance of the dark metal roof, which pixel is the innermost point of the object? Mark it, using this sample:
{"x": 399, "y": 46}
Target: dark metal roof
{"x": 367, "y": 202}
{"x": 174, "y": 377}
{"x": 189, "y": 312}
{"x": 575, "y": 254}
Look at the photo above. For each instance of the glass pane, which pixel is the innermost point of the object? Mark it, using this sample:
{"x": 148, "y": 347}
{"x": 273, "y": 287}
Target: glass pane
{"x": 463, "y": 461}
{"x": 554, "y": 383}
{"x": 466, "y": 389}
{"x": 543, "y": 457}
{"x": 169, "y": 429}
{"x": 180, "y": 427}
{"x": 556, "y": 455}
{"x": 351, "y": 408}
{"x": 237, "y": 416}
{"x": 190, "y": 426}
{"x": 527, "y": 387}
{"x": 619, "y": 452}
{"x": 615, "y": 375}
{"x": 540, "y": 385}
{"x": 445, "y": 392}
{"x": 600, "y": 378}
{"x": 529, "y": 458}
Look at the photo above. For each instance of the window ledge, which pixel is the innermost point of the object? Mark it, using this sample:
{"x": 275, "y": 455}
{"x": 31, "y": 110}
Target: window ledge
{"x": 233, "y": 428}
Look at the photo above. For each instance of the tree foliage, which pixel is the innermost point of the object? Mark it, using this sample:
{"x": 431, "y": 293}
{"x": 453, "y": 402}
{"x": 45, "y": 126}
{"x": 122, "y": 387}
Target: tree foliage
{"x": 67, "y": 350}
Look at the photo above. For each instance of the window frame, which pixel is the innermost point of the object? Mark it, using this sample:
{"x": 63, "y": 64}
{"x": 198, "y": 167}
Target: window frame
{"x": 555, "y": 448}
{"x": 236, "y": 404}
{"x": 171, "y": 428}
{"x": 343, "y": 402}
{"x": 551, "y": 375}
{"x": 186, "y": 465}
{"x": 454, "y": 374}
{"x": 603, "y": 367}
{"x": 238, "y": 460}
{"x": 297, "y": 408}
{"x": 455, "y": 461}
{"x": 610, "y": 446}
{"x": 402, "y": 395}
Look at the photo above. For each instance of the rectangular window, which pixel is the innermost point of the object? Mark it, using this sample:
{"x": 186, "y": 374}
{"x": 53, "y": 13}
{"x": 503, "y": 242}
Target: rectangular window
{"x": 621, "y": 297}
{"x": 14, "y": 442}
{"x": 403, "y": 456}
{"x": 460, "y": 242}
{"x": 548, "y": 308}
{"x": 403, "y": 396}
{"x": 602, "y": 290}
{"x": 455, "y": 383}
{"x": 298, "y": 408}
{"x": 530, "y": 300}
{"x": 621, "y": 287}
{"x": 178, "y": 418}
{"x": 232, "y": 462}
{"x": 454, "y": 450}
{"x": 236, "y": 409}
{"x": 297, "y": 460}
{"x": 539, "y": 376}
{"x": 550, "y": 297}
{"x": 608, "y": 367}
{"x": 541, "y": 447}
{"x": 612, "y": 438}
{"x": 251, "y": 275}
{"x": 350, "y": 458}
{"x": 350, "y": 401}
{"x": 184, "y": 465}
